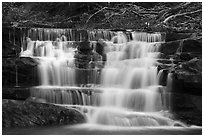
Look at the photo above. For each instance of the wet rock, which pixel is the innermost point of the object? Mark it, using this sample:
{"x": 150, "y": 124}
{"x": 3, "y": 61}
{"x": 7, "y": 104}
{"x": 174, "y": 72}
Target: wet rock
{"x": 190, "y": 71}
{"x": 9, "y": 49}
{"x": 96, "y": 57}
{"x": 85, "y": 47}
{"x": 19, "y": 61}
{"x": 82, "y": 60}
{"x": 169, "y": 48}
{"x": 193, "y": 66}
{"x": 185, "y": 62}
{"x": 82, "y": 35}
{"x": 187, "y": 108}
{"x": 11, "y": 41}
{"x": 19, "y": 71}
{"x": 37, "y": 100}
{"x": 191, "y": 45}
{"x": 16, "y": 93}
{"x": 163, "y": 77}
{"x": 83, "y": 55}
{"x": 177, "y": 36}
{"x": 181, "y": 46}
{"x": 186, "y": 56}
{"x": 177, "y": 124}
{"x": 186, "y": 74}
{"x": 188, "y": 77}
{"x": 32, "y": 114}
{"x": 100, "y": 45}
{"x": 87, "y": 60}
{"x": 87, "y": 76}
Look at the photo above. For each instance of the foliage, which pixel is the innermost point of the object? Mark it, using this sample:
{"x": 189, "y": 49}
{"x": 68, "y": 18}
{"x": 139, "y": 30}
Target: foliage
{"x": 143, "y": 16}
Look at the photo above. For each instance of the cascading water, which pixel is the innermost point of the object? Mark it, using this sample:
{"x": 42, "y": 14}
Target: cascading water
{"x": 56, "y": 61}
{"x": 129, "y": 94}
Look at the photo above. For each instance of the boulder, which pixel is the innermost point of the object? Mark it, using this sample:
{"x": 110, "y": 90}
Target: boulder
{"x": 100, "y": 46}
{"x": 85, "y": 47}
{"x": 33, "y": 114}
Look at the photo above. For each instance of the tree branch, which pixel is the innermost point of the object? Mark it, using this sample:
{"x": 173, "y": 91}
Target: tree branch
{"x": 115, "y": 14}
{"x": 95, "y": 14}
{"x": 170, "y": 11}
{"x": 135, "y": 13}
{"x": 178, "y": 15}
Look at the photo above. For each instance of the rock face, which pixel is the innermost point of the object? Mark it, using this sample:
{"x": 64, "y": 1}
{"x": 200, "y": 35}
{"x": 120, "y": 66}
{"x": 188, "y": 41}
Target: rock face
{"x": 19, "y": 72}
{"x": 86, "y": 58}
{"x": 187, "y": 108}
{"x": 182, "y": 46}
{"x": 191, "y": 45}
{"x": 100, "y": 45}
{"x": 185, "y": 80}
{"x": 11, "y": 42}
{"x": 31, "y": 114}
{"x": 16, "y": 93}
{"x": 193, "y": 66}
{"x": 186, "y": 65}
{"x": 187, "y": 77}
{"x": 9, "y": 49}
{"x": 171, "y": 36}
{"x": 87, "y": 64}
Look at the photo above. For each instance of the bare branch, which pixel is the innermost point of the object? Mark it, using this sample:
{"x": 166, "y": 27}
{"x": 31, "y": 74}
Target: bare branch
{"x": 170, "y": 11}
{"x": 135, "y": 13}
{"x": 149, "y": 13}
{"x": 95, "y": 14}
{"x": 115, "y": 14}
{"x": 178, "y": 15}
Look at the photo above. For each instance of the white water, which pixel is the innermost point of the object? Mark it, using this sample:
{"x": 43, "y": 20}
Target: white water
{"x": 56, "y": 61}
{"x": 130, "y": 94}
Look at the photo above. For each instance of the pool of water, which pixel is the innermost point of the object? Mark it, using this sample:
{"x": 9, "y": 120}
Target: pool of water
{"x": 92, "y": 129}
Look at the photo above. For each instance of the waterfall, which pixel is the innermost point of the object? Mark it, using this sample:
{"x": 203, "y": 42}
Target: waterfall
{"x": 56, "y": 61}
{"x": 129, "y": 93}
